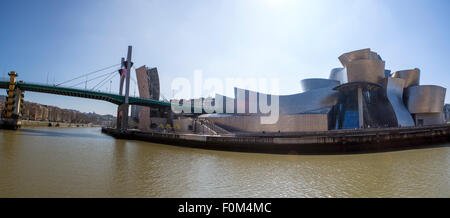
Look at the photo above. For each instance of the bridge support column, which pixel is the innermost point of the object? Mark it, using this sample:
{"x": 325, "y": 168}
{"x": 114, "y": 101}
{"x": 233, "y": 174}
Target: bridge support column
{"x": 144, "y": 119}
{"x": 122, "y": 117}
{"x": 18, "y": 104}
{"x": 360, "y": 108}
{"x": 122, "y": 114}
{"x": 14, "y": 104}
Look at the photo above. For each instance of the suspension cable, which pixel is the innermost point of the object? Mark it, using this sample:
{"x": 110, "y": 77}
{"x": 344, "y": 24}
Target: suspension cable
{"x": 77, "y": 84}
{"x": 88, "y": 74}
{"x": 101, "y": 83}
{"x": 107, "y": 81}
{"x": 106, "y": 74}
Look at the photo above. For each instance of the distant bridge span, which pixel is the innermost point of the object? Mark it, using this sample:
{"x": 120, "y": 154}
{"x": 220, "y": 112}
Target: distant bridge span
{"x": 15, "y": 95}
{"x": 81, "y": 93}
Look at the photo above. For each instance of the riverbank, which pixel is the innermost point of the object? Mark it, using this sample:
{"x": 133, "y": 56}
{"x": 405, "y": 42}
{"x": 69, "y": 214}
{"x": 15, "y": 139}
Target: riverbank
{"x": 4, "y": 124}
{"x": 32, "y": 123}
{"x": 328, "y": 142}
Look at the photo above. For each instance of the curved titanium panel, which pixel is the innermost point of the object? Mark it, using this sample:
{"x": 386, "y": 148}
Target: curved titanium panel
{"x": 354, "y": 55}
{"x": 224, "y": 104}
{"x": 375, "y": 56}
{"x": 310, "y": 84}
{"x": 303, "y": 102}
{"x": 411, "y": 77}
{"x": 308, "y": 101}
{"x": 366, "y": 71}
{"x": 394, "y": 92}
{"x": 339, "y": 74}
{"x": 425, "y": 99}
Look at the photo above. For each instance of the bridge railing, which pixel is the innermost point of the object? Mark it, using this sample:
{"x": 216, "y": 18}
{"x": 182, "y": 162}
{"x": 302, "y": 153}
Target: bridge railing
{"x": 84, "y": 93}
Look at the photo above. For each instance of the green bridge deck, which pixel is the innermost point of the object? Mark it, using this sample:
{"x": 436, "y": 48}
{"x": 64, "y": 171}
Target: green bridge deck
{"x": 113, "y": 98}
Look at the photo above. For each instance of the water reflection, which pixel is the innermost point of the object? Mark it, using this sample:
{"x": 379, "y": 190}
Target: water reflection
{"x": 52, "y": 133}
{"x": 81, "y": 162}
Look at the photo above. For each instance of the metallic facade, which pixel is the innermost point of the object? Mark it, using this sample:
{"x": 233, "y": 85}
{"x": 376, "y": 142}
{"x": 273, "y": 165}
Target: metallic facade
{"x": 286, "y": 123}
{"x": 394, "y": 92}
{"x": 447, "y": 112}
{"x": 339, "y": 74}
{"x": 354, "y": 55}
{"x": 148, "y": 84}
{"x": 310, "y": 84}
{"x": 428, "y": 119}
{"x": 366, "y": 70}
{"x": 307, "y": 111}
{"x": 298, "y": 103}
{"x": 362, "y": 94}
{"x": 359, "y": 106}
{"x": 224, "y": 104}
{"x": 363, "y": 66}
{"x": 425, "y": 99}
{"x": 308, "y": 101}
{"x": 363, "y": 54}
{"x": 411, "y": 77}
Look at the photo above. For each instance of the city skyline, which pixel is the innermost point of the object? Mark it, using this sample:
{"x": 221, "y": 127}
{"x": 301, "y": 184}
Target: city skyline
{"x": 52, "y": 41}
{"x": 33, "y": 111}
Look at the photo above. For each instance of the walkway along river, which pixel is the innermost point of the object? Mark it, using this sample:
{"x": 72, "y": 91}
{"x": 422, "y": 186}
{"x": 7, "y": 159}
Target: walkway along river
{"x": 83, "y": 162}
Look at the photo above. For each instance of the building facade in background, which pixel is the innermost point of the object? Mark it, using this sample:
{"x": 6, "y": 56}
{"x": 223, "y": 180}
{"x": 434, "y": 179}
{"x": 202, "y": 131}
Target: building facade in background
{"x": 38, "y": 112}
{"x": 447, "y": 112}
{"x": 149, "y": 88}
{"x": 362, "y": 94}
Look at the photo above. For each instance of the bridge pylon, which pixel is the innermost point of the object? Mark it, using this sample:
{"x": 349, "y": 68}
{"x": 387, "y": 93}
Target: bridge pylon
{"x": 13, "y": 104}
{"x": 122, "y": 111}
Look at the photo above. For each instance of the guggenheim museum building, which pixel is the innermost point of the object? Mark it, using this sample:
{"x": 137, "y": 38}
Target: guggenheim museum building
{"x": 360, "y": 94}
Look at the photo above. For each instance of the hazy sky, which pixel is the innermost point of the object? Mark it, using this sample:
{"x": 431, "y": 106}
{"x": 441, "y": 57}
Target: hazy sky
{"x": 290, "y": 40}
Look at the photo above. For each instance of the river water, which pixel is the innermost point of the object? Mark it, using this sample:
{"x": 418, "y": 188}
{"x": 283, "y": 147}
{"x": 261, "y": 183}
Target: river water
{"x": 82, "y": 162}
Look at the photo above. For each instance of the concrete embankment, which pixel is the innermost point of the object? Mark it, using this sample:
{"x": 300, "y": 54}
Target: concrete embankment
{"x": 329, "y": 142}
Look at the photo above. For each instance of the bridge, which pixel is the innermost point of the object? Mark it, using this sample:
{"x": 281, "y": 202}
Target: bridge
{"x": 16, "y": 89}
{"x": 81, "y": 93}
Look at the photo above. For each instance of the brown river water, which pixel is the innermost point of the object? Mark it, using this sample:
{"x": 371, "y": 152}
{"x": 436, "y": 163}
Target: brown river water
{"x": 82, "y": 162}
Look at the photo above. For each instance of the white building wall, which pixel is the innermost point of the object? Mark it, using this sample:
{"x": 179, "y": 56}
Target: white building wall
{"x": 429, "y": 119}
{"x": 286, "y": 123}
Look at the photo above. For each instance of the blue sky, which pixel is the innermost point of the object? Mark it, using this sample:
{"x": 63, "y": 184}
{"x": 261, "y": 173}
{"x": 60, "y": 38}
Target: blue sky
{"x": 291, "y": 40}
